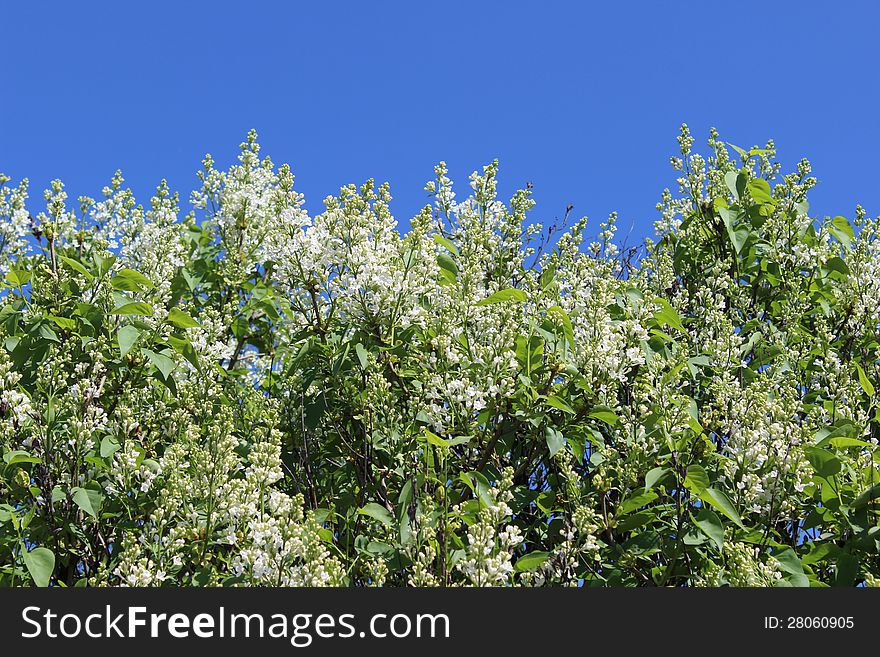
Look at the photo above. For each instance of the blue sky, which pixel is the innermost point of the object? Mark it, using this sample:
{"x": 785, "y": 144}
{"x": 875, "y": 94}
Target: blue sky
{"x": 582, "y": 99}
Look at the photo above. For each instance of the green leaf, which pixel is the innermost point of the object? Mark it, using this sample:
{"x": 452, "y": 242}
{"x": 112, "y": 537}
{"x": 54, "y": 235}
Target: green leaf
{"x": 184, "y": 347}
{"x": 824, "y": 462}
{"x": 18, "y": 277}
{"x": 88, "y": 500}
{"x": 531, "y": 561}
{"x": 760, "y": 190}
{"x": 842, "y": 230}
{"x": 479, "y": 485}
{"x": 636, "y": 502}
{"x": 76, "y": 266}
{"x": 448, "y": 268}
{"x": 738, "y": 234}
{"x": 510, "y": 294}
{"x": 654, "y": 476}
{"x": 109, "y": 446}
{"x": 668, "y": 315}
{"x": 544, "y": 501}
{"x": 436, "y": 440}
{"x": 152, "y": 465}
{"x": 58, "y": 494}
{"x": 46, "y": 332}
{"x": 162, "y": 362}
{"x": 40, "y": 563}
{"x": 604, "y": 414}
{"x": 721, "y": 502}
{"x": 730, "y": 180}
{"x": 868, "y": 496}
{"x": 181, "y": 319}
{"x": 361, "y": 352}
{"x": 635, "y": 520}
{"x": 846, "y": 569}
{"x": 836, "y": 264}
{"x": 19, "y": 456}
{"x": 865, "y": 382}
{"x": 556, "y": 402}
{"x": 820, "y": 552}
{"x": 130, "y": 280}
{"x": 696, "y": 479}
{"x": 446, "y": 243}
{"x": 788, "y": 562}
{"x": 63, "y": 322}
{"x": 528, "y": 352}
{"x": 563, "y": 318}
{"x": 378, "y": 512}
{"x": 555, "y": 440}
{"x": 126, "y": 336}
{"x": 104, "y": 264}
{"x": 824, "y": 435}
{"x": 134, "y": 308}
{"x": 710, "y": 524}
{"x": 846, "y": 441}
{"x": 739, "y": 150}
{"x": 764, "y": 211}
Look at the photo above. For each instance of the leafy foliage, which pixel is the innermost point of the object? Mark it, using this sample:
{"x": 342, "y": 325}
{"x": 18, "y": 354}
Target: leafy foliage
{"x": 252, "y": 395}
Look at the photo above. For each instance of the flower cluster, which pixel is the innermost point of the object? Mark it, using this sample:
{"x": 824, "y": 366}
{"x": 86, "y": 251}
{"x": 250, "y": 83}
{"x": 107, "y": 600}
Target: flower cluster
{"x": 244, "y": 393}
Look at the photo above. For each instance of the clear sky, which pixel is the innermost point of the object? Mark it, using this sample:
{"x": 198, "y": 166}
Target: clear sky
{"x": 582, "y": 99}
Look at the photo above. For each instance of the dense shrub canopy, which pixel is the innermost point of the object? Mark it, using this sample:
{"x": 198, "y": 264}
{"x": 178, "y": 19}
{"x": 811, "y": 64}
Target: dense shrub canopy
{"x": 251, "y": 395}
